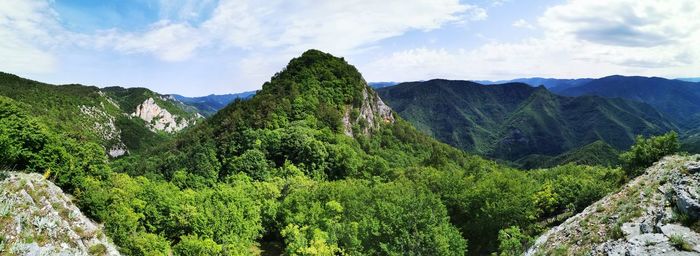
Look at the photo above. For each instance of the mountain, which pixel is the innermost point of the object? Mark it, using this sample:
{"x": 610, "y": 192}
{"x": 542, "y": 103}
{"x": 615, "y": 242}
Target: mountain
{"x": 654, "y": 214}
{"x": 549, "y": 83}
{"x": 119, "y": 119}
{"x": 39, "y": 219}
{"x": 596, "y": 153}
{"x": 512, "y": 121}
{"x": 377, "y": 85}
{"x": 208, "y": 105}
{"x": 690, "y": 79}
{"x": 678, "y": 100}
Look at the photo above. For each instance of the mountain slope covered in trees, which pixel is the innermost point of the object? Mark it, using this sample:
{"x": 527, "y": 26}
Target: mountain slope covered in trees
{"x": 679, "y": 100}
{"x": 105, "y": 116}
{"x": 515, "y": 121}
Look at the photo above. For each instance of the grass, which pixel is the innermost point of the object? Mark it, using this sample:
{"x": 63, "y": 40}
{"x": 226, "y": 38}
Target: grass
{"x": 616, "y": 231}
{"x": 97, "y": 249}
{"x": 679, "y": 242}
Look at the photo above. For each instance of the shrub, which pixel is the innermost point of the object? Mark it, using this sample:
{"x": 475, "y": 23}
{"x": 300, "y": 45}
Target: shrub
{"x": 646, "y": 151}
{"x": 512, "y": 241}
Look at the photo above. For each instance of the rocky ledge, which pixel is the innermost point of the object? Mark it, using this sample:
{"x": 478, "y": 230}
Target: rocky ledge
{"x": 654, "y": 214}
{"x": 37, "y": 218}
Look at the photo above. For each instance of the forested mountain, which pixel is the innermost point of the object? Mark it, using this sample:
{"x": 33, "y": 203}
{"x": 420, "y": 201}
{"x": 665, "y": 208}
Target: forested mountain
{"x": 513, "y": 121}
{"x": 314, "y": 163}
{"x": 208, "y": 105}
{"x": 119, "y": 119}
{"x": 679, "y": 100}
{"x": 553, "y": 84}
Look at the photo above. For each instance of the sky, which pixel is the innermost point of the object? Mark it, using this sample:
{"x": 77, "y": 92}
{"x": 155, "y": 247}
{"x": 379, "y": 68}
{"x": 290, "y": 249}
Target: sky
{"x": 197, "y": 48}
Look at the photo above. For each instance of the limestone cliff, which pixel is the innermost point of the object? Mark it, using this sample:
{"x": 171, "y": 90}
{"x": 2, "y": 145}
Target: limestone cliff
{"x": 37, "y": 218}
{"x": 654, "y": 214}
{"x": 369, "y": 116}
{"x": 160, "y": 119}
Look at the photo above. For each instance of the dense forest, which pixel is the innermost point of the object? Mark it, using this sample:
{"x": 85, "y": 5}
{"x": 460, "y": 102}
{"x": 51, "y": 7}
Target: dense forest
{"x": 523, "y": 124}
{"x": 308, "y": 166}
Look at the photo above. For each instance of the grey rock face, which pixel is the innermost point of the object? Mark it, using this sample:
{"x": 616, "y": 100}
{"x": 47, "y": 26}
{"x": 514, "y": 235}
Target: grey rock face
{"x": 372, "y": 113}
{"x": 646, "y": 212}
{"x": 160, "y": 119}
{"x": 39, "y": 219}
{"x": 686, "y": 195}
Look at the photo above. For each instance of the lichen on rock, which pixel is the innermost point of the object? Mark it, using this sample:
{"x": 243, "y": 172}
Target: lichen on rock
{"x": 37, "y": 218}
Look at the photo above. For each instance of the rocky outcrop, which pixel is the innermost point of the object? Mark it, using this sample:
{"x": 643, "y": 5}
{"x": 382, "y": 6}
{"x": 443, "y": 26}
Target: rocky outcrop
{"x": 160, "y": 119}
{"x": 103, "y": 125}
{"x": 371, "y": 114}
{"x": 654, "y": 214}
{"x": 37, "y": 218}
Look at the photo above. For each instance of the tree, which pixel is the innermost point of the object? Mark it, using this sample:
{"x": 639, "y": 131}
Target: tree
{"x": 646, "y": 151}
{"x": 512, "y": 241}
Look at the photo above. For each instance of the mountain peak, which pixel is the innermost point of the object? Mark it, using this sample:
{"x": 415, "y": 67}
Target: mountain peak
{"x": 320, "y": 87}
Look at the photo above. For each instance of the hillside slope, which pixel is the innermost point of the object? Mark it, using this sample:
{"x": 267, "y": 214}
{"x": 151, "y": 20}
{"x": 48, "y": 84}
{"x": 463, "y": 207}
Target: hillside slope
{"x": 679, "y": 100}
{"x": 36, "y": 218}
{"x": 119, "y": 119}
{"x": 512, "y": 121}
{"x": 654, "y": 214}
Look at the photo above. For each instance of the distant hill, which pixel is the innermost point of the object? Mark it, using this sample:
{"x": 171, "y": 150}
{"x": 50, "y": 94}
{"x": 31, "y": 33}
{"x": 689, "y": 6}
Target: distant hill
{"x": 690, "y": 79}
{"x": 515, "y": 120}
{"x": 208, "y": 105}
{"x": 596, "y": 153}
{"x": 377, "y": 85}
{"x": 117, "y": 118}
{"x": 679, "y": 100}
{"x": 549, "y": 83}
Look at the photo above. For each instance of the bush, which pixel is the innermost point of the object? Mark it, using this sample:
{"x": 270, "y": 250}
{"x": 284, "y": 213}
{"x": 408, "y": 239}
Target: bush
{"x": 512, "y": 241}
{"x": 196, "y": 246}
{"x": 646, "y": 151}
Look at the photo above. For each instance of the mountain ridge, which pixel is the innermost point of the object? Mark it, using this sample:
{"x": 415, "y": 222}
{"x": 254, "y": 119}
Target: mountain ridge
{"x": 513, "y": 120}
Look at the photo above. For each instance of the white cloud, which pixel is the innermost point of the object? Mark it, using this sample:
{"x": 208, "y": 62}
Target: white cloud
{"x": 336, "y": 26}
{"x": 168, "y": 41}
{"x": 521, "y": 23}
{"x": 25, "y": 36}
{"x": 581, "y": 39}
{"x": 625, "y": 22}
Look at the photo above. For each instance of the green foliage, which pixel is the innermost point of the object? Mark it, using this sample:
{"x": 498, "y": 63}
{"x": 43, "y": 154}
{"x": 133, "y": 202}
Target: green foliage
{"x": 397, "y": 218}
{"x": 680, "y": 243}
{"x": 512, "y": 241}
{"x": 195, "y": 246}
{"x": 646, "y": 151}
{"x": 514, "y": 121}
{"x": 97, "y": 249}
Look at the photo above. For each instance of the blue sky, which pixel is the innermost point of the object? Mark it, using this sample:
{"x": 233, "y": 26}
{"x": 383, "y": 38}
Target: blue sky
{"x": 222, "y": 46}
